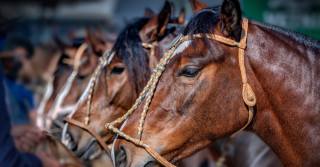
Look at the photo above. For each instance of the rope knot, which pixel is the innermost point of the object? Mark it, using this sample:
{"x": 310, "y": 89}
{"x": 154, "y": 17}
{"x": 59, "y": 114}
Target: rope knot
{"x": 248, "y": 95}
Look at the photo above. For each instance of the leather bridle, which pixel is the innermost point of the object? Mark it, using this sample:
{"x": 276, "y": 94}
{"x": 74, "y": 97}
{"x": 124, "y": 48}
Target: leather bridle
{"x": 148, "y": 92}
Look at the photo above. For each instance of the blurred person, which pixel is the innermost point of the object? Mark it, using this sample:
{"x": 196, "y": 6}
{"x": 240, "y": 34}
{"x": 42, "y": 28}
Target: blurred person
{"x": 9, "y": 155}
{"x": 19, "y": 99}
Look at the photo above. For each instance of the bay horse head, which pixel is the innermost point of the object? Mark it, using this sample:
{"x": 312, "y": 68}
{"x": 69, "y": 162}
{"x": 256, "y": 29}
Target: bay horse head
{"x": 137, "y": 49}
{"x": 199, "y": 94}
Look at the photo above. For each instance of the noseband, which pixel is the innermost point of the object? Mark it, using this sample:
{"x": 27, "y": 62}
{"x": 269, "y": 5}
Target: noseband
{"x": 148, "y": 91}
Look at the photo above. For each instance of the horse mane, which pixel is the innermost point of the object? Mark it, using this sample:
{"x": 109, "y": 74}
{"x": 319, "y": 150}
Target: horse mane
{"x": 136, "y": 59}
{"x": 300, "y": 38}
{"x": 204, "y": 22}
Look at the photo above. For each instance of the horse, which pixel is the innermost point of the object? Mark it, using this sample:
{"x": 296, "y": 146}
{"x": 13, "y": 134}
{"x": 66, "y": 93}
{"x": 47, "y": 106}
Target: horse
{"x": 136, "y": 51}
{"x": 71, "y": 77}
{"x": 58, "y": 99}
{"x": 198, "y": 93}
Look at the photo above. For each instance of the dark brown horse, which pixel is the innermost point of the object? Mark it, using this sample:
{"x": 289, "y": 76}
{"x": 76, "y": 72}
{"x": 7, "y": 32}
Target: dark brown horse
{"x": 120, "y": 82}
{"x": 199, "y": 96}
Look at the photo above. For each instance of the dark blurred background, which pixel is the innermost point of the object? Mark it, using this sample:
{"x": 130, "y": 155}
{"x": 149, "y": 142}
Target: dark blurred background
{"x": 40, "y": 19}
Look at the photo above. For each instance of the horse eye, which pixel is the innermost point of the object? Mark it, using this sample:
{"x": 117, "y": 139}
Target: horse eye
{"x": 189, "y": 72}
{"x": 116, "y": 71}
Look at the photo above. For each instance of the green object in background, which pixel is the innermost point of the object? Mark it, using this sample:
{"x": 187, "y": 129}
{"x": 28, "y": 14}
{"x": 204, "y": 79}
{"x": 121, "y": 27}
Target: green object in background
{"x": 299, "y": 15}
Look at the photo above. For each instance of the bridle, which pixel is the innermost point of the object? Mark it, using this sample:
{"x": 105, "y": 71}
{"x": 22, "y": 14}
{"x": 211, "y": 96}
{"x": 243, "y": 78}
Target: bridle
{"x": 76, "y": 63}
{"x": 85, "y": 125}
{"x": 148, "y": 91}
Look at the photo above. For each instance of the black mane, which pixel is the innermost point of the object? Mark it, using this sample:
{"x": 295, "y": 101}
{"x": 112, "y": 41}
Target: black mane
{"x": 128, "y": 47}
{"x": 203, "y": 22}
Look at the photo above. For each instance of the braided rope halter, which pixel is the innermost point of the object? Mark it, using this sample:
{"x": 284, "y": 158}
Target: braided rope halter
{"x": 148, "y": 91}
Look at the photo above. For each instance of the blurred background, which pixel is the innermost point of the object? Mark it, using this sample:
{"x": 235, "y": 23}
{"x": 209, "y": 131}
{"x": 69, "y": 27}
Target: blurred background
{"x": 41, "y": 22}
{"x": 40, "y": 19}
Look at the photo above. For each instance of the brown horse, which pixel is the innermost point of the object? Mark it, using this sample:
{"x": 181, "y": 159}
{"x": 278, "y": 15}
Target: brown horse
{"x": 122, "y": 79}
{"x": 199, "y": 97}
{"x": 60, "y": 98}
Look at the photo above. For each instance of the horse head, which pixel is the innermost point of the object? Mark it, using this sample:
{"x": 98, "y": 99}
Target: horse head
{"x": 204, "y": 89}
{"x": 200, "y": 87}
{"x": 132, "y": 58}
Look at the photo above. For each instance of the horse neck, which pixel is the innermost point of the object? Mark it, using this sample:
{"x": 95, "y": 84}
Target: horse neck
{"x": 284, "y": 70}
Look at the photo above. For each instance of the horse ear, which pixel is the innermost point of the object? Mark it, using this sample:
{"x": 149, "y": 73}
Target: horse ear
{"x": 148, "y": 13}
{"x": 197, "y": 6}
{"x": 156, "y": 26}
{"x": 93, "y": 41}
{"x": 164, "y": 18}
{"x": 230, "y": 16}
{"x": 182, "y": 17}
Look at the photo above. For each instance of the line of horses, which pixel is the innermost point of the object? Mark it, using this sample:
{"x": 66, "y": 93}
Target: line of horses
{"x": 194, "y": 98}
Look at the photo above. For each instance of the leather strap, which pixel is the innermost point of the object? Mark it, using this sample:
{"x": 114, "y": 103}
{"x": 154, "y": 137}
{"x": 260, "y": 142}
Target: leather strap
{"x": 79, "y": 54}
{"x": 91, "y": 131}
{"x": 158, "y": 157}
{"x": 247, "y": 93}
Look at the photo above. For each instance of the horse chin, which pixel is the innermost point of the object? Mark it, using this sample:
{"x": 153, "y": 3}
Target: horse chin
{"x": 94, "y": 151}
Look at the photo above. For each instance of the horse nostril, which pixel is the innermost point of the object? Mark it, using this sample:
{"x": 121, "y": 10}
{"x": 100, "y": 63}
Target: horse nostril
{"x": 121, "y": 158}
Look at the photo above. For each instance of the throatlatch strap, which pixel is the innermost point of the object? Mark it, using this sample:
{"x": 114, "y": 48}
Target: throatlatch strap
{"x": 247, "y": 93}
{"x": 91, "y": 131}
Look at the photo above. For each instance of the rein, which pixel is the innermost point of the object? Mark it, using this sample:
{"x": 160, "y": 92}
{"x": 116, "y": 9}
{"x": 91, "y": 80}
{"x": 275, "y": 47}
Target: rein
{"x": 148, "y": 91}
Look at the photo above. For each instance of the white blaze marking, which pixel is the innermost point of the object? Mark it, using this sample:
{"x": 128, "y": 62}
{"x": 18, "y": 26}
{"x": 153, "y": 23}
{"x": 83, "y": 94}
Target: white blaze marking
{"x": 184, "y": 45}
